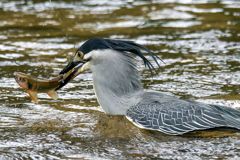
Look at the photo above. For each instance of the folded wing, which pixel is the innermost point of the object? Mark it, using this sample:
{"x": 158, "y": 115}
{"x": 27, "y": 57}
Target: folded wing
{"x": 175, "y": 118}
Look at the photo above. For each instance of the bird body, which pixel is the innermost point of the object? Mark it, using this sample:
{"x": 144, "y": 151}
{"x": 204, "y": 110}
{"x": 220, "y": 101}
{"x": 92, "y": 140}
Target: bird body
{"x": 119, "y": 91}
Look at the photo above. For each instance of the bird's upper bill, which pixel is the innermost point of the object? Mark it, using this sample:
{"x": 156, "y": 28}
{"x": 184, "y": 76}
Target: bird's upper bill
{"x": 76, "y": 65}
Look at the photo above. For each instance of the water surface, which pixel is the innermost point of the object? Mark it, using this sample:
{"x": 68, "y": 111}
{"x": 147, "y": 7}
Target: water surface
{"x": 199, "y": 41}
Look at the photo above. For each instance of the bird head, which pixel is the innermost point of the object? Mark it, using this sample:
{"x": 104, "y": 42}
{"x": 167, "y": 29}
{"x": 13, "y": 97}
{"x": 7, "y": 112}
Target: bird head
{"x": 84, "y": 55}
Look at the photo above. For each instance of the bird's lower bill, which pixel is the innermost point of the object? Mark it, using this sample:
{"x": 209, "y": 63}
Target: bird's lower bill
{"x": 75, "y": 73}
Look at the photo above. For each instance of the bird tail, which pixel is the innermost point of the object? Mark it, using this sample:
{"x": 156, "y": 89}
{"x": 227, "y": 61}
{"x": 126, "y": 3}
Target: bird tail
{"x": 228, "y": 111}
{"x": 231, "y": 115}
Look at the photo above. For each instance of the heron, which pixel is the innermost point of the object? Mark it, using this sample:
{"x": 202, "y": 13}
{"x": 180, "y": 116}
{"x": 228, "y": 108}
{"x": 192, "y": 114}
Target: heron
{"x": 119, "y": 91}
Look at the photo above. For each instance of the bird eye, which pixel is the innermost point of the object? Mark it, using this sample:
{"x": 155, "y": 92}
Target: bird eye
{"x": 80, "y": 54}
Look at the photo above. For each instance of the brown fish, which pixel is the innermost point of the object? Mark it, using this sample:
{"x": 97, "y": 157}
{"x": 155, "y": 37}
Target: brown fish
{"x": 35, "y": 85}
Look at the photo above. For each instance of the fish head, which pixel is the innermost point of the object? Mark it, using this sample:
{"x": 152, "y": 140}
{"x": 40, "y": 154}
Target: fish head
{"x": 21, "y": 79}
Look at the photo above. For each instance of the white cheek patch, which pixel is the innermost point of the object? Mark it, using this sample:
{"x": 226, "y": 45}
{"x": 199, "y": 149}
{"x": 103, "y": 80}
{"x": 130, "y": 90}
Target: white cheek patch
{"x": 88, "y": 55}
{"x": 95, "y": 54}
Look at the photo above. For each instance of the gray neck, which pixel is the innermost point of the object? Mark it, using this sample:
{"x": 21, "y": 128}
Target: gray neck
{"x": 116, "y": 81}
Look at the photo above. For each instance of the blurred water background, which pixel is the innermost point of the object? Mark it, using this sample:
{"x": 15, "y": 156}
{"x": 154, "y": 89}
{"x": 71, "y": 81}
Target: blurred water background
{"x": 199, "y": 41}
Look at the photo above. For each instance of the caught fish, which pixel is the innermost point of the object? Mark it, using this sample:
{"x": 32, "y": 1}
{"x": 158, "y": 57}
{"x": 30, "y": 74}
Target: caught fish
{"x": 35, "y": 85}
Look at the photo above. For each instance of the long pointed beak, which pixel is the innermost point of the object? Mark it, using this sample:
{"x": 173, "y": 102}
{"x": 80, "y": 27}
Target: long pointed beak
{"x": 70, "y": 66}
{"x": 73, "y": 65}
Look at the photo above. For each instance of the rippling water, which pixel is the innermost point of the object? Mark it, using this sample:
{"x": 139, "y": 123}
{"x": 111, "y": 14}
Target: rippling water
{"x": 199, "y": 41}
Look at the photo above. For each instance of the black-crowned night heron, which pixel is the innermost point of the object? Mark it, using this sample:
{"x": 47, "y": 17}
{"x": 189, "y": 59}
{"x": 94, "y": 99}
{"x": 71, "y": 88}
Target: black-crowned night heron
{"x": 119, "y": 91}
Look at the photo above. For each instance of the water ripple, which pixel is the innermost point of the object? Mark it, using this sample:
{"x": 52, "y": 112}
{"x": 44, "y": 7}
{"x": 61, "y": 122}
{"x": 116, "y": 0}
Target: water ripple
{"x": 201, "y": 62}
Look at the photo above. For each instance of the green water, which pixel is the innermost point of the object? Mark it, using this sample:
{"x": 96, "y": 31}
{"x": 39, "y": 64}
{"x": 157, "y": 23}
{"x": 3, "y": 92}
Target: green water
{"x": 199, "y": 41}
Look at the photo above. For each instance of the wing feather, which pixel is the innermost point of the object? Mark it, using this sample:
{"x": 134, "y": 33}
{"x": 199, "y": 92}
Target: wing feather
{"x": 176, "y": 118}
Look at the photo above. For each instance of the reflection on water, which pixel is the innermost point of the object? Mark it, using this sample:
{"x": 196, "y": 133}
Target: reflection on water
{"x": 199, "y": 42}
